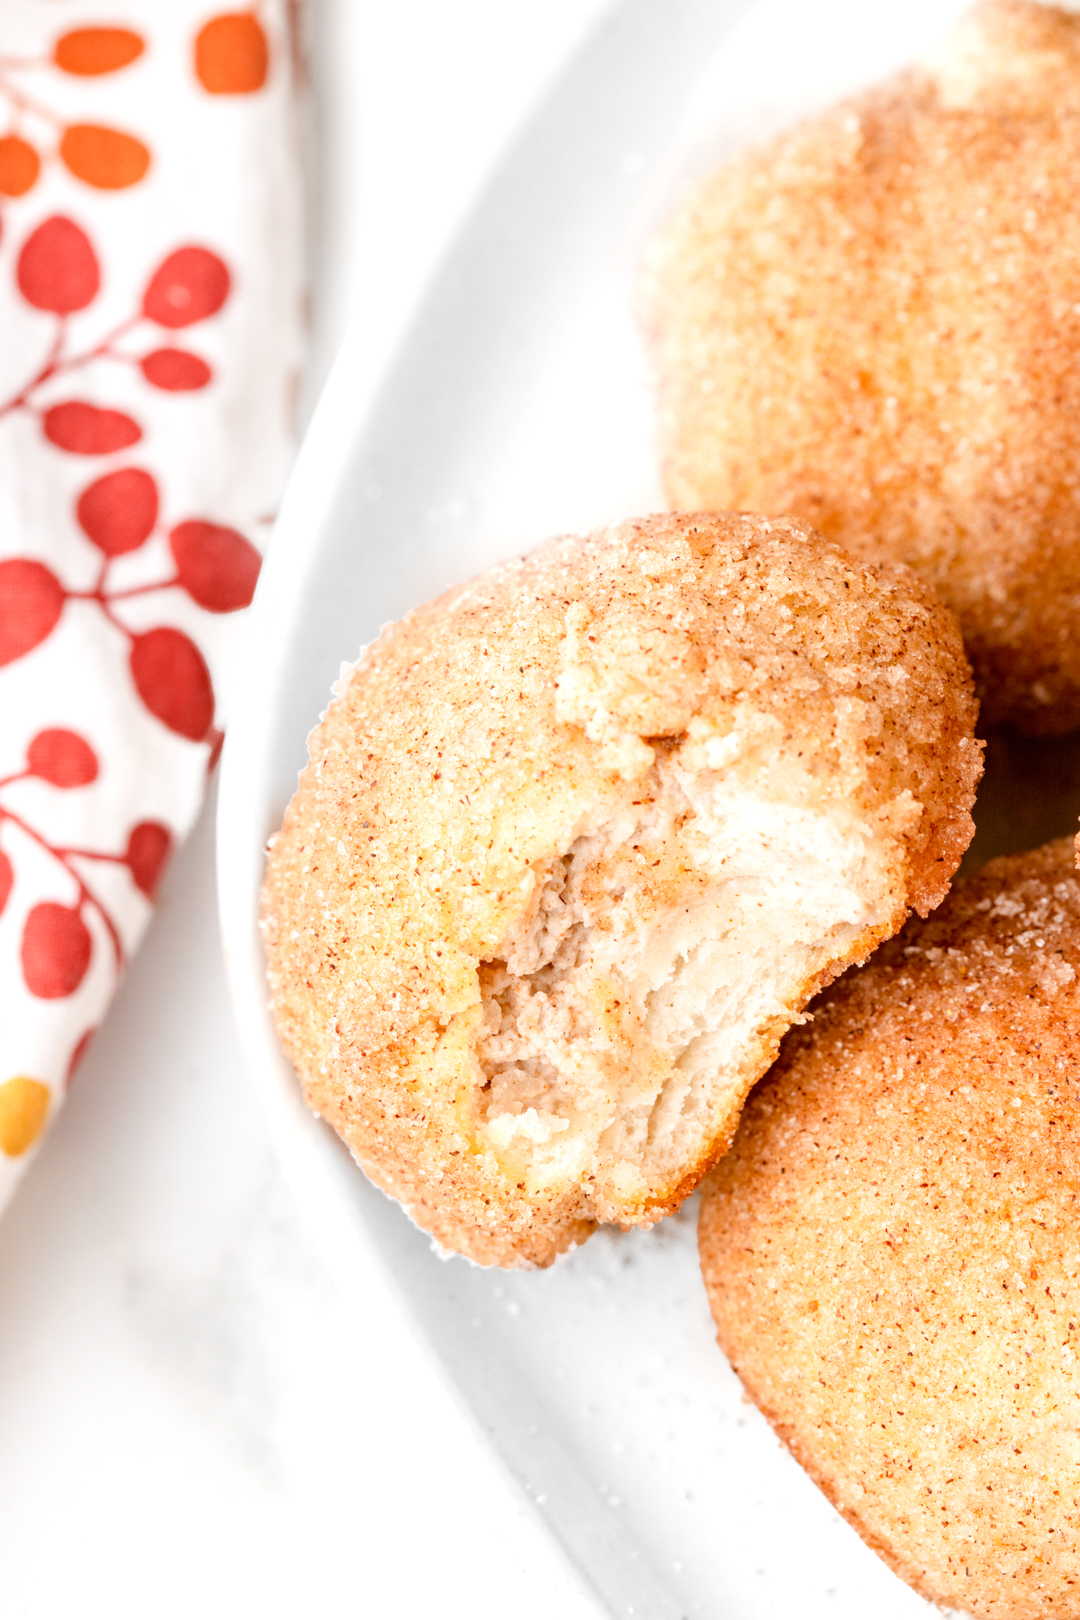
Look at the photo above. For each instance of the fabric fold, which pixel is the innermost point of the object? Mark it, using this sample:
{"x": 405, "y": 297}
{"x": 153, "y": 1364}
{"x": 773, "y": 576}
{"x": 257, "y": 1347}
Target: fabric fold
{"x": 151, "y": 326}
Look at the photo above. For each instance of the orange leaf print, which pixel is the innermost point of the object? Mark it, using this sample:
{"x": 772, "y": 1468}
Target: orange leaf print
{"x": 231, "y": 54}
{"x": 24, "y": 1105}
{"x": 19, "y": 166}
{"x": 104, "y": 157}
{"x": 90, "y": 51}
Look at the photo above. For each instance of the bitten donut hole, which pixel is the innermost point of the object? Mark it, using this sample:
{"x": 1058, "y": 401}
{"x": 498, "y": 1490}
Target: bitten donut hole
{"x": 670, "y": 943}
{"x": 577, "y": 843}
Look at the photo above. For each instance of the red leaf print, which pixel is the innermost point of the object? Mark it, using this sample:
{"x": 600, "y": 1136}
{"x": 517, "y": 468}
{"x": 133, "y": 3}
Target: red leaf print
{"x": 216, "y": 566}
{"x": 103, "y": 157}
{"x": 175, "y": 370}
{"x": 19, "y": 166}
{"x": 62, "y": 757}
{"x": 90, "y": 51}
{"x": 31, "y": 602}
{"x": 7, "y": 879}
{"x": 55, "y": 951}
{"x": 188, "y": 286}
{"x": 58, "y": 268}
{"x": 87, "y": 430}
{"x": 118, "y": 512}
{"x": 148, "y": 848}
{"x": 171, "y": 677}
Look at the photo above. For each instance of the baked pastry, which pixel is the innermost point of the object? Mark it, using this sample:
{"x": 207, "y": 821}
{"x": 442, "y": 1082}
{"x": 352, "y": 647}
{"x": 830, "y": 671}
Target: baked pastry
{"x": 891, "y": 1248}
{"x": 874, "y": 322}
{"x": 576, "y": 843}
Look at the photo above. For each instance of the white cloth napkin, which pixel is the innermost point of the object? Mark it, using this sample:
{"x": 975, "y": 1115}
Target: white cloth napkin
{"x": 151, "y": 286}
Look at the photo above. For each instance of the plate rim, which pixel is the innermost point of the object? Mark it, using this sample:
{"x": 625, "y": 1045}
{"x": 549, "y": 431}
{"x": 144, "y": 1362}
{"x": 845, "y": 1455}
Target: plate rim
{"x": 346, "y": 415}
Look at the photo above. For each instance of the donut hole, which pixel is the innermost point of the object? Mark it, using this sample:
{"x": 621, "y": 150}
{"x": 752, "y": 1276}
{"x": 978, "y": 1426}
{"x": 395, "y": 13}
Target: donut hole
{"x": 646, "y": 985}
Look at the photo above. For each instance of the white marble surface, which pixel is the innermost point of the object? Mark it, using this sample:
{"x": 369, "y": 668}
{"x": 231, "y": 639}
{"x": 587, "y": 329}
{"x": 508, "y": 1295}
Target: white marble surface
{"x": 193, "y": 1420}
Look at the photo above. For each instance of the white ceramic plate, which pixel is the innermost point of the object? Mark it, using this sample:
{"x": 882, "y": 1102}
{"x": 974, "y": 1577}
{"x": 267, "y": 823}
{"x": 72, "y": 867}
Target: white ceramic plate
{"x": 518, "y": 408}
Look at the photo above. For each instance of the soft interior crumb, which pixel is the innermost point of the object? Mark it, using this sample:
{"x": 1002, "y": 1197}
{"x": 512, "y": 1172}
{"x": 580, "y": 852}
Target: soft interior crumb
{"x": 620, "y": 1005}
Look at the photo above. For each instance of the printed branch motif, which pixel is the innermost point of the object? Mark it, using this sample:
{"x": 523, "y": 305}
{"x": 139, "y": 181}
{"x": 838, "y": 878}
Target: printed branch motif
{"x": 62, "y": 923}
{"x": 97, "y": 154}
{"x": 58, "y": 272}
{"x": 229, "y": 57}
{"x": 57, "y": 945}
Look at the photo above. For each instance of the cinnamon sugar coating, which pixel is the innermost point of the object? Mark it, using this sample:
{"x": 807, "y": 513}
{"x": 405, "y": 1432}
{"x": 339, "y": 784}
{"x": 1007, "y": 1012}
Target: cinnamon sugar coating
{"x": 579, "y": 839}
{"x": 892, "y": 1247}
{"x": 874, "y": 322}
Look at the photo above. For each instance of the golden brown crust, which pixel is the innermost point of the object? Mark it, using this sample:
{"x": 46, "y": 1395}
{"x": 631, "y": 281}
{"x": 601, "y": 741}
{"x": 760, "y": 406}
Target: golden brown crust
{"x": 874, "y": 322}
{"x": 464, "y": 750}
{"x": 891, "y": 1248}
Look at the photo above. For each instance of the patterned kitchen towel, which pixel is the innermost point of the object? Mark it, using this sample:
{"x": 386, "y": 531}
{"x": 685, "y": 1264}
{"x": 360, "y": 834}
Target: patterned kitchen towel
{"x": 150, "y": 342}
